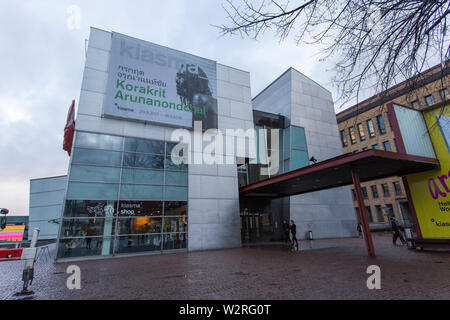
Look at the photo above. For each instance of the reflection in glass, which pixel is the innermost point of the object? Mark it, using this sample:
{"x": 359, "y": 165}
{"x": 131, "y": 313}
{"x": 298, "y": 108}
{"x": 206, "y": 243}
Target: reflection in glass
{"x": 175, "y": 224}
{"x": 140, "y": 192}
{"x": 139, "y": 225}
{"x": 142, "y": 176}
{"x": 128, "y": 244}
{"x": 87, "y": 227}
{"x": 174, "y": 241}
{"x": 84, "y": 190}
{"x": 140, "y": 160}
{"x": 82, "y": 247}
{"x": 143, "y": 145}
{"x": 177, "y": 178}
{"x": 169, "y": 165}
{"x": 89, "y": 208}
{"x": 175, "y": 208}
{"x": 96, "y": 157}
{"x": 94, "y": 173}
{"x": 98, "y": 141}
{"x": 175, "y": 193}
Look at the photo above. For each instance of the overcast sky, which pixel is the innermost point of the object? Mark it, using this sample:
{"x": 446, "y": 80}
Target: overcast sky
{"x": 42, "y": 65}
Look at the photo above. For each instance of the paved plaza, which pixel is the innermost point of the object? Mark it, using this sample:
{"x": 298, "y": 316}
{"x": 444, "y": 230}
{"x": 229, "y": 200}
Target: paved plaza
{"x": 324, "y": 269}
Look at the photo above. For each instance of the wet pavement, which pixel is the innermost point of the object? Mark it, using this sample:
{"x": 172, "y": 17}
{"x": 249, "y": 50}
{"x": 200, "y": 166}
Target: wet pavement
{"x": 323, "y": 269}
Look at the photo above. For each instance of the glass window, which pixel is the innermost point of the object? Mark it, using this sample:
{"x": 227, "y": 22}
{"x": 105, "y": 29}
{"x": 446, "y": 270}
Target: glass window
{"x": 142, "y": 176}
{"x": 140, "y": 192}
{"x": 97, "y": 157}
{"x": 94, "y": 174}
{"x": 390, "y": 209}
{"x": 144, "y": 146}
{"x": 371, "y": 128}
{"x": 354, "y": 194}
{"x": 397, "y": 188}
{"x": 369, "y": 214}
{"x": 175, "y": 208}
{"x": 138, "y": 225}
{"x": 89, "y": 208}
{"x": 387, "y": 146}
{"x": 364, "y": 192}
{"x": 381, "y": 125}
{"x": 287, "y": 143}
{"x": 374, "y": 189}
{"x": 171, "y": 145}
{"x": 84, "y": 190}
{"x": 375, "y": 146}
{"x": 429, "y": 100}
{"x": 385, "y": 189}
{"x": 140, "y": 160}
{"x": 140, "y": 243}
{"x": 175, "y": 193}
{"x": 80, "y": 247}
{"x": 298, "y": 138}
{"x": 174, "y": 241}
{"x": 299, "y": 159}
{"x": 362, "y": 135}
{"x": 169, "y": 165}
{"x": 355, "y": 151}
{"x": 357, "y": 214}
{"x": 98, "y": 141}
{"x": 175, "y": 224}
{"x": 140, "y": 208}
{"x": 351, "y": 132}
{"x": 365, "y": 148}
{"x": 379, "y": 213}
{"x": 176, "y": 178}
{"x": 415, "y": 104}
{"x": 344, "y": 138}
{"x": 86, "y": 227}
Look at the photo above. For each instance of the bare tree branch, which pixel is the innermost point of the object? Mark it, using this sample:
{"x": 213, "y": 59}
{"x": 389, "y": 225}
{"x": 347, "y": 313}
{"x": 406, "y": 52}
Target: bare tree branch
{"x": 376, "y": 43}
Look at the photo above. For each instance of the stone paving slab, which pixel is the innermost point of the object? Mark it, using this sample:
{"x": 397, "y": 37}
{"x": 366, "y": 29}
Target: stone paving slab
{"x": 325, "y": 269}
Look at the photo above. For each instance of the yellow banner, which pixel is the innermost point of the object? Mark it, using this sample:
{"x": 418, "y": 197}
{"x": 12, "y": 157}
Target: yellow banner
{"x": 431, "y": 191}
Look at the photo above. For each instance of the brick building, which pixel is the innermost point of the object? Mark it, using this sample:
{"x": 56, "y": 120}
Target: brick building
{"x": 366, "y": 125}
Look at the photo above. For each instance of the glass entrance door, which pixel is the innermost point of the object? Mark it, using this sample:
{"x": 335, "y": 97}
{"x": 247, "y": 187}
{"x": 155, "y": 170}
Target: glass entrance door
{"x": 250, "y": 227}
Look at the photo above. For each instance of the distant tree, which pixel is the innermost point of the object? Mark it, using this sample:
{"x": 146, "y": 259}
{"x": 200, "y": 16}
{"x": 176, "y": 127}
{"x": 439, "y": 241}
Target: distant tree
{"x": 375, "y": 43}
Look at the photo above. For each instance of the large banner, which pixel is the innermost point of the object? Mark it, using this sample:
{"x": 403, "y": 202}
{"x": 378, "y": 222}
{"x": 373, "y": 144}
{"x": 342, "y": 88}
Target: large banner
{"x": 431, "y": 190}
{"x": 148, "y": 82}
{"x": 12, "y": 233}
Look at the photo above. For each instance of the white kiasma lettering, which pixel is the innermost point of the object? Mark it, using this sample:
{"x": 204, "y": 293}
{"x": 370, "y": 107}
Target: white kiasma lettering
{"x": 145, "y": 54}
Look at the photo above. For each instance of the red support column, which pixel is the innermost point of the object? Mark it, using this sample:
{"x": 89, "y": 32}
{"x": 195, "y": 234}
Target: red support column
{"x": 362, "y": 212}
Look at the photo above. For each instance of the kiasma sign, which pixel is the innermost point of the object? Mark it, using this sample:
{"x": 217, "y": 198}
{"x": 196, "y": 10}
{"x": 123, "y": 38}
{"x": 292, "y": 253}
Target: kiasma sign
{"x": 148, "y": 82}
{"x": 430, "y": 191}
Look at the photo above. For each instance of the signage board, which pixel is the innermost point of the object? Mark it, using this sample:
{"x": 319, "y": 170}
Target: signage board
{"x": 149, "y": 82}
{"x": 430, "y": 191}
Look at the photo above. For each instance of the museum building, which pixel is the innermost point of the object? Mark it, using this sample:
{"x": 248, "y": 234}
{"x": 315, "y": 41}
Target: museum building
{"x": 126, "y": 194}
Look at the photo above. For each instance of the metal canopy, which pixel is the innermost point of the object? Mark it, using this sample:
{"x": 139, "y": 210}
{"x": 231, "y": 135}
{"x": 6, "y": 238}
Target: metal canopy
{"x": 335, "y": 172}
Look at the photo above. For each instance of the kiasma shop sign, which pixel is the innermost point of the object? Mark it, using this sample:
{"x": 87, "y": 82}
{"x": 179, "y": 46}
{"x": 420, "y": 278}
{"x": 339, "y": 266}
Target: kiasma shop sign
{"x": 148, "y": 82}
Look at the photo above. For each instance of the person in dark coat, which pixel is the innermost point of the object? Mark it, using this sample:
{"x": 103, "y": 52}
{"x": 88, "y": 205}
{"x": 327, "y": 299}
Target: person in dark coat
{"x": 396, "y": 232}
{"x": 286, "y": 229}
{"x": 293, "y": 228}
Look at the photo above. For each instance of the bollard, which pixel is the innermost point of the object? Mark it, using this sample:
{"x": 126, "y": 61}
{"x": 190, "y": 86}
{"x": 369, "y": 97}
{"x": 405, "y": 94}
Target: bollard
{"x": 29, "y": 255}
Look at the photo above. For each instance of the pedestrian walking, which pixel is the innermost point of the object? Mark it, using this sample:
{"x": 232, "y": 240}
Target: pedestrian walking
{"x": 396, "y": 232}
{"x": 293, "y": 228}
{"x": 286, "y": 230}
{"x": 358, "y": 227}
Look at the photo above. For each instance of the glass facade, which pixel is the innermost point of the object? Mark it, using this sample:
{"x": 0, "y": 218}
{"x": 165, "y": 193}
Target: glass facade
{"x": 124, "y": 195}
{"x": 292, "y": 151}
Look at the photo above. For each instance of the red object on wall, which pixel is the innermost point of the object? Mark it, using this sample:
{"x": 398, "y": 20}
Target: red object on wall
{"x": 10, "y": 254}
{"x": 69, "y": 129}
